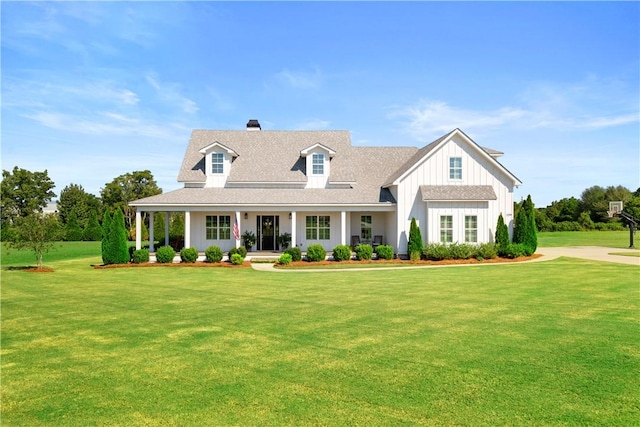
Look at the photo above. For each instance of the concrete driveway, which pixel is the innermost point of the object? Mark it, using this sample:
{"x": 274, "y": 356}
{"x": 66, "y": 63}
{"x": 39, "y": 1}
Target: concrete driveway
{"x": 596, "y": 253}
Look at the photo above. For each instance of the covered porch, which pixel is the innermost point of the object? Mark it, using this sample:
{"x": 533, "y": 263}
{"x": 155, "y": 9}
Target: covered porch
{"x": 274, "y": 228}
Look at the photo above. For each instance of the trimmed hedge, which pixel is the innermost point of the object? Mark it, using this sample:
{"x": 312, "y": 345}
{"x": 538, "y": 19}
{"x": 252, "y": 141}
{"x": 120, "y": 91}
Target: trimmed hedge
{"x": 295, "y": 252}
{"x": 285, "y": 259}
{"x": 236, "y": 259}
{"x": 442, "y": 251}
{"x": 213, "y": 254}
{"x": 189, "y": 255}
{"x": 316, "y": 253}
{"x": 165, "y": 254}
{"x": 140, "y": 256}
{"x": 384, "y": 252}
{"x": 342, "y": 253}
{"x": 242, "y": 251}
{"x": 364, "y": 252}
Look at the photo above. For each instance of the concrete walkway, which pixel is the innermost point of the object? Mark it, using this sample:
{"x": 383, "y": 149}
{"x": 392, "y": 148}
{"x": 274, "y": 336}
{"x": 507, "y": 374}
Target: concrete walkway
{"x": 595, "y": 253}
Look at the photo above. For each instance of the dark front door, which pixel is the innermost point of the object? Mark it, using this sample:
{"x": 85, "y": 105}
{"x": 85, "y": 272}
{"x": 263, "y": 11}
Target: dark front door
{"x": 268, "y": 226}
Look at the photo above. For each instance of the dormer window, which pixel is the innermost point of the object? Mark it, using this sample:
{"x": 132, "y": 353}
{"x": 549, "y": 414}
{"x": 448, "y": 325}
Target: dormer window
{"x": 318, "y": 163}
{"x": 217, "y": 163}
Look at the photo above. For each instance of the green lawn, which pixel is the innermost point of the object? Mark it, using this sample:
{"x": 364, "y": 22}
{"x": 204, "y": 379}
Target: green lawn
{"x": 542, "y": 343}
{"x": 609, "y": 239}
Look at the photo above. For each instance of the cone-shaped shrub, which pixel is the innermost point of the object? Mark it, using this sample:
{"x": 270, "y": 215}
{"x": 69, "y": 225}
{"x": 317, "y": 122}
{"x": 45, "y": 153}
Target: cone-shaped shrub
{"x": 414, "y": 246}
{"x": 502, "y": 236}
{"x": 106, "y": 229}
{"x": 118, "y": 246}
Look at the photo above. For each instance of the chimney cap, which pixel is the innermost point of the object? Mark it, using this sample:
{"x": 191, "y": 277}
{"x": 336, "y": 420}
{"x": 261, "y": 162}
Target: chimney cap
{"x": 253, "y": 124}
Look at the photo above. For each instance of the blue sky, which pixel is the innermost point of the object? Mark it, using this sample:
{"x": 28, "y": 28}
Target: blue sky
{"x": 92, "y": 90}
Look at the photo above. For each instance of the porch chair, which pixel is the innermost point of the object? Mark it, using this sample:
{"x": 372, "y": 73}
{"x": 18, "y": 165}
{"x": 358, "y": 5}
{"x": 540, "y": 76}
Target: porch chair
{"x": 377, "y": 241}
{"x": 355, "y": 241}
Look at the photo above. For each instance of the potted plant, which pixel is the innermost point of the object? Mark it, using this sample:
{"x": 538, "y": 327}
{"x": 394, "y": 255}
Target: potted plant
{"x": 248, "y": 239}
{"x": 284, "y": 240}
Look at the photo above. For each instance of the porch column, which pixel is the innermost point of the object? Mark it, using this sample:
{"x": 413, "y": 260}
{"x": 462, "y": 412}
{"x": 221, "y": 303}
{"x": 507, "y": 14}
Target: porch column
{"x": 237, "y": 225}
{"x": 151, "y": 236}
{"x": 293, "y": 229}
{"x": 138, "y": 230}
{"x": 343, "y": 228}
{"x": 187, "y": 229}
{"x": 166, "y": 228}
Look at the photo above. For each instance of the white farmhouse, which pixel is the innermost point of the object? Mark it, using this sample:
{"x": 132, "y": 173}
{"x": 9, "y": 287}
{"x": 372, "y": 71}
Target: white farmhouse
{"x": 319, "y": 188}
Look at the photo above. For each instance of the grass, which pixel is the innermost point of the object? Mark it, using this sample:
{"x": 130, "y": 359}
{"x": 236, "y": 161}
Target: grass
{"x": 543, "y": 343}
{"x": 609, "y": 239}
{"x": 61, "y": 251}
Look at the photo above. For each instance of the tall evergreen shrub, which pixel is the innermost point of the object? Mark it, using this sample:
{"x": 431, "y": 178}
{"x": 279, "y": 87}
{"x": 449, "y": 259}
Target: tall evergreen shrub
{"x": 414, "y": 246}
{"x": 117, "y": 251}
{"x": 502, "y": 236}
{"x": 106, "y": 230}
{"x": 525, "y": 230}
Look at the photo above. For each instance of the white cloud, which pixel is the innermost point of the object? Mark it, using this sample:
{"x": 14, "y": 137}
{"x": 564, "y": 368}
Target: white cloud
{"x": 170, "y": 93}
{"x": 589, "y": 105}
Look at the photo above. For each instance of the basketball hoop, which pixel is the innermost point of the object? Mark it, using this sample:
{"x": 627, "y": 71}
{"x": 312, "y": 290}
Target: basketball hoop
{"x": 614, "y": 208}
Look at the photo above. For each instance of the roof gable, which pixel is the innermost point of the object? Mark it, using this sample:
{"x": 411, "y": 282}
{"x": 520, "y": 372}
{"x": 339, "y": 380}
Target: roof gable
{"x": 425, "y": 152}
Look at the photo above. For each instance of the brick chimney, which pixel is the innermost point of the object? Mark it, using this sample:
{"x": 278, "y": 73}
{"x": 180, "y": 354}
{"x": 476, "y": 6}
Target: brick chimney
{"x": 253, "y": 125}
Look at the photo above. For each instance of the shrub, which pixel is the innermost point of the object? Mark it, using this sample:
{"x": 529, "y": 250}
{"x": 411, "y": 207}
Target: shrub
{"x": 295, "y": 252}
{"x": 567, "y": 226}
{"x": 242, "y": 251}
{"x": 213, "y": 254}
{"x": 140, "y": 256}
{"x": 165, "y": 254}
{"x": 436, "y": 252}
{"x": 364, "y": 252}
{"x": 93, "y": 231}
{"x": 486, "y": 251}
{"x": 316, "y": 252}
{"x": 237, "y": 259}
{"x": 189, "y": 255}
{"x": 384, "y": 252}
{"x": 414, "y": 246}
{"x": 461, "y": 251}
{"x": 285, "y": 259}
{"x": 502, "y": 236}
{"x": 115, "y": 248}
{"x": 516, "y": 250}
{"x": 342, "y": 253}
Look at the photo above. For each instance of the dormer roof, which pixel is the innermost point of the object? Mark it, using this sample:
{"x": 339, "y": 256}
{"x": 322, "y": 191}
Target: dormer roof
{"x": 306, "y": 151}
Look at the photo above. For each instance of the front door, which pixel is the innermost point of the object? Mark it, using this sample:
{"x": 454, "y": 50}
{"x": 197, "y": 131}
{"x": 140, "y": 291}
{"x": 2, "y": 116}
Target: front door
{"x": 268, "y": 228}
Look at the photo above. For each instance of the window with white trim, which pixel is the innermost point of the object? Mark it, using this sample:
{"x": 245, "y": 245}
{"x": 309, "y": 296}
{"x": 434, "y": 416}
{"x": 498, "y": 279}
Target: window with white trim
{"x": 446, "y": 229}
{"x": 218, "y": 227}
{"x": 365, "y": 227}
{"x": 471, "y": 229}
{"x": 317, "y": 162}
{"x": 318, "y": 227}
{"x": 217, "y": 163}
{"x": 455, "y": 168}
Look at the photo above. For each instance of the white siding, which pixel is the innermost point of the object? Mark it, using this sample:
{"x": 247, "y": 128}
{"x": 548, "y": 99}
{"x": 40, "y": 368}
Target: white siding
{"x": 477, "y": 169}
{"x": 318, "y": 181}
{"x": 217, "y": 180}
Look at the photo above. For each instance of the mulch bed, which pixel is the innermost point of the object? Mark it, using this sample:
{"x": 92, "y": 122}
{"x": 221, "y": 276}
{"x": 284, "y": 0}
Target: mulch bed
{"x": 391, "y": 262}
{"x": 176, "y": 264}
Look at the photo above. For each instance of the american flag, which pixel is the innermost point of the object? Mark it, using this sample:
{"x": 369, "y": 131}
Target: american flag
{"x": 236, "y": 229}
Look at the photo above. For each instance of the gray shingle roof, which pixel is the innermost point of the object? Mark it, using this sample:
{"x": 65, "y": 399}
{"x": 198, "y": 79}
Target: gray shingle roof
{"x": 457, "y": 193}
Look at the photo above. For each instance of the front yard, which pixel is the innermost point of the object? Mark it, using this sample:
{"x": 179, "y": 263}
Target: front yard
{"x": 519, "y": 344}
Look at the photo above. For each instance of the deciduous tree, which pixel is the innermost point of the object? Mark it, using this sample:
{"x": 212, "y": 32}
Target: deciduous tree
{"x": 127, "y": 188}
{"x": 37, "y": 232}
{"x": 23, "y": 192}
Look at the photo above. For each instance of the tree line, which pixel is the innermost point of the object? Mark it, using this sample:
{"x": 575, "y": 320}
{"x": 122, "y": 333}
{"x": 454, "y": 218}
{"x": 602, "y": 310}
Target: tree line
{"x": 590, "y": 211}
{"x": 79, "y": 214}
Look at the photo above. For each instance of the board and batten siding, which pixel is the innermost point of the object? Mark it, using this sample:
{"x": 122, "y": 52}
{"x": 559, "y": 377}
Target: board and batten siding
{"x": 477, "y": 169}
